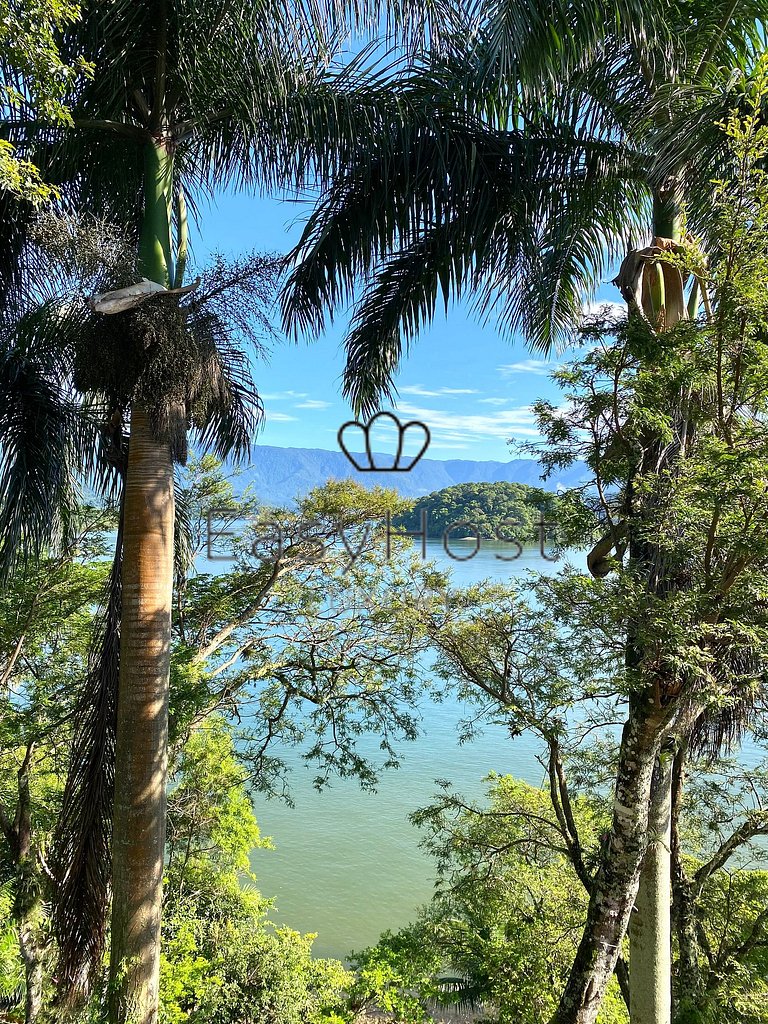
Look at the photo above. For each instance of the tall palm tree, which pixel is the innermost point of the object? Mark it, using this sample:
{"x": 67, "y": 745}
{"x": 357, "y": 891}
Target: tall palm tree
{"x": 522, "y": 182}
{"x": 69, "y": 379}
{"x": 185, "y": 97}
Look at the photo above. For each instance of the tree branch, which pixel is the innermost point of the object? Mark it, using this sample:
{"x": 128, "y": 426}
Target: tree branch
{"x": 756, "y": 824}
{"x": 561, "y": 802}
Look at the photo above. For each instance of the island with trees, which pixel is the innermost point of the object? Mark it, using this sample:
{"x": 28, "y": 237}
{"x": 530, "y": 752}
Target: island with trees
{"x": 502, "y": 511}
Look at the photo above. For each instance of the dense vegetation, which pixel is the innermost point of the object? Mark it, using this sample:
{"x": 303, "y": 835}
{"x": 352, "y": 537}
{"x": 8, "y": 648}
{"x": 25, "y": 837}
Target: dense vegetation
{"x": 510, "y": 152}
{"x": 258, "y": 658}
{"x": 503, "y": 511}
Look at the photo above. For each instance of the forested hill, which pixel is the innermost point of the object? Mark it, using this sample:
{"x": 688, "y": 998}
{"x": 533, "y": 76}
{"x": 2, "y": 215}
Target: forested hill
{"x": 487, "y": 507}
{"x": 279, "y": 475}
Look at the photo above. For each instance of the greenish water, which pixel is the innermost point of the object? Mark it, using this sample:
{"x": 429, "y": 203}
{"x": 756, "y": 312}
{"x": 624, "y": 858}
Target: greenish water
{"x": 347, "y": 863}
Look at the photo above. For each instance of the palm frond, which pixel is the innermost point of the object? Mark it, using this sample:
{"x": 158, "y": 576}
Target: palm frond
{"x": 81, "y": 856}
{"x": 717, "y": 34}
{"x": 437, "y": 167}
{"x": 535, "y": 44}
{"x": 462, "y": 995}
{"x": 16, "y": 219}
{"x": 742, "y": 678}
{"x": 40, "y": 431}
{"x": 223, "y": 403}
{"x": 400, "y": 301}
{"x": 525, "y": 221}
{"x": 227, "y": 316}
{"x": 693, "y": 147}
{"x": 305, "y": 127}
{"x": 582, "y": 224}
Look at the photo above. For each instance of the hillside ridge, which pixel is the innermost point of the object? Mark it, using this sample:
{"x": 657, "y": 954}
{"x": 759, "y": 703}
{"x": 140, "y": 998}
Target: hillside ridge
{"x": 279, "y": 475}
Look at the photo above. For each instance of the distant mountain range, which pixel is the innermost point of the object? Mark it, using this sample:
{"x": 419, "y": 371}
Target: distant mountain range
{"x": 279, "y": 475}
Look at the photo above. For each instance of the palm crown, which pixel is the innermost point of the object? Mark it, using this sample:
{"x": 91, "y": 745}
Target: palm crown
{"x": 523, "y": 171}
{"x": 260, "y": 104}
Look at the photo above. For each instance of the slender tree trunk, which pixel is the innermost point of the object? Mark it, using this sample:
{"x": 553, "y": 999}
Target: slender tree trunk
{"x": 26, "y": 908}
{"x": 145, "y": 649}
{"x": 650, "y": 950}
{"x": 689, "y": 988}
{"x": 650, "y": 933}
{"x": 142, "y": 727}
{"x": 617, "y": 878}
{"x": 31, "y": 954}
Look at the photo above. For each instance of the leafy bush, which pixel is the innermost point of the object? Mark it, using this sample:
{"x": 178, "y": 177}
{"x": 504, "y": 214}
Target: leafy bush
{"x": 222, "y": 959}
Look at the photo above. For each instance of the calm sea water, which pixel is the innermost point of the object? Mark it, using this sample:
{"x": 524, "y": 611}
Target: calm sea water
{"x": 347, "y": 864}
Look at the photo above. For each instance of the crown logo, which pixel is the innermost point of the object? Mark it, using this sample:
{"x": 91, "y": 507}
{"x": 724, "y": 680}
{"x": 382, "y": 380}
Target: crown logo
{"x": 362, "y": 432}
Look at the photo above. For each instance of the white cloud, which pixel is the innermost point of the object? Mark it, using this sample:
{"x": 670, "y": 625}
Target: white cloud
{"x": 493, "y": 401}
{"x": 605, "y": 309}
{"x": 538, "y": 367}
{"x": 283, "y": 396}
{"x": 280, "y": 417}
{"x": 421, "y": 392}
{"x": 313, "y": 403}
{"x": 417, "y": 389}
{"x": 448, "y": 426}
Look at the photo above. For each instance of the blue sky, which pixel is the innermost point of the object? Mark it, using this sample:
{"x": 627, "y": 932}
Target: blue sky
{"x": 472, "y": 388}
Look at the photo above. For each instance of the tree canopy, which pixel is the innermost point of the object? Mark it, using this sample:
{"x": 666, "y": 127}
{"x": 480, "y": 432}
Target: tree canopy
{"x": 503, "y": 511}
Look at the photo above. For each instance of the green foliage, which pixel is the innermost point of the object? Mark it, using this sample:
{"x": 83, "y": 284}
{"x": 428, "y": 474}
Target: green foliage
{"x": 673, "y": 426}
{"x": 11, "y": 970}
{"x": 47, "y": 613}
{"x": 222, "y": 960}
{"x": 21, "y": 177}
{"x": 733, "y": 905}
{"x": 502, "y": 929}
{"x": 252, "y": 974}
{"x": 497, "y": 510}
{"x": 398, "y": 975}
{"x": 671, "y": 616}
{"x": 34, "y": 79}
{"x": 210, "y": 814}
{"x": 309, "y": 638}
{"x": 46, "y": 622}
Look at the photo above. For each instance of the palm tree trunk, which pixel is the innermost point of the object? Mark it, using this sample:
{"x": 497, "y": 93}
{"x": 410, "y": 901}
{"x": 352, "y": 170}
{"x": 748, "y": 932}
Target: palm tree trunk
{"x": 142, "y": 727}
{"x": 650, "y": 948}
{"x": 145, "y": 650}
{"x": 688, "y": 996}
{"x": 650, "y": 933}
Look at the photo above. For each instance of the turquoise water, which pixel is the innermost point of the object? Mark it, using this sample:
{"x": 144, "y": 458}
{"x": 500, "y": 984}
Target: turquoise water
{"x": 347, "y": 863}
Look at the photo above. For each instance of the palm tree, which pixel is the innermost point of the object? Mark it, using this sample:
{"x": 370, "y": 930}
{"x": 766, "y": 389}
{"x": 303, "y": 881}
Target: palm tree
{"x": 517, "y": 189}
{"x": 184, "y": 98}
{"x": 520, "y": 185}
{"x": 68, "y": 378}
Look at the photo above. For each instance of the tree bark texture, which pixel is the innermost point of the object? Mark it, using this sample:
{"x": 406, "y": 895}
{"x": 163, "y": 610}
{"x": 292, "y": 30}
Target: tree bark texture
{"x": 650, "y": 952}
{"x": 617, "y": 878}
{"x": 142, "y": 727}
